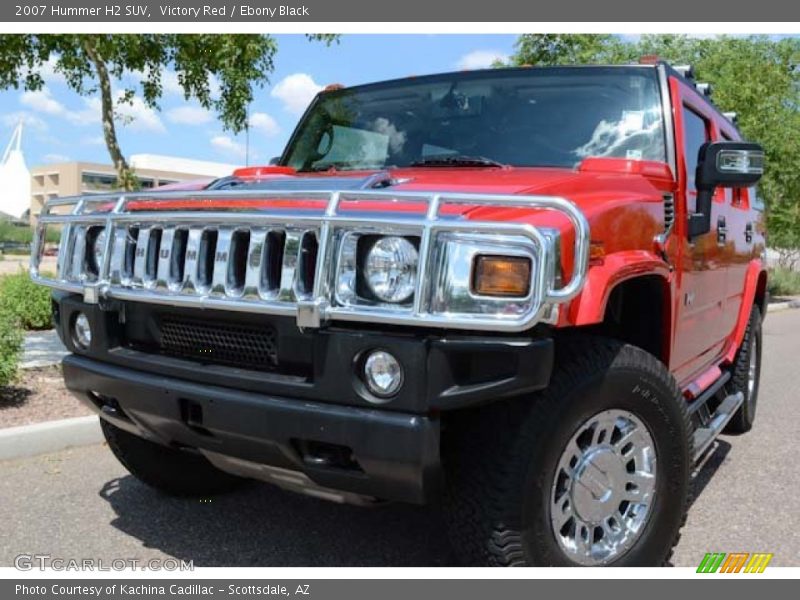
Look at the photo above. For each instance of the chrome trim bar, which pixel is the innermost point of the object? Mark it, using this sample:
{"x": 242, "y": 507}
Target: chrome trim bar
{"x": 373, "y": 211}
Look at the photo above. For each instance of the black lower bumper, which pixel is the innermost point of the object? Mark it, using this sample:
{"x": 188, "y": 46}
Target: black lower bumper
{"x": 312, "y": 412}
{"x": 394, "y": 455}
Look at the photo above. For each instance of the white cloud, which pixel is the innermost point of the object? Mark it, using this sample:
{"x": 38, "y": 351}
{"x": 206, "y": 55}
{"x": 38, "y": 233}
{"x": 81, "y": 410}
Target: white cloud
{"x": 55, "y": 158}
{"x": 29, "y": 120}
{"x": 228, "y": 146}
{"x": 42, "y": 101}
{"x": 48, "y": 71}
{"x": 296, "y": 92}
{"x": 89, "y": 114}
{"x": 172, "y": 86}
{"x": 170, "y": 83}
{"x": 263, "y": 123}
{"x": 397, "y": 139}
{"x": 190, "y": 114}
{"x": 481, "y": 59}
{"x": 138, "y": 116}
{"x": 214, "y": 85}
{"x": 93, "y": 140}
{"x": 135, "y": 114}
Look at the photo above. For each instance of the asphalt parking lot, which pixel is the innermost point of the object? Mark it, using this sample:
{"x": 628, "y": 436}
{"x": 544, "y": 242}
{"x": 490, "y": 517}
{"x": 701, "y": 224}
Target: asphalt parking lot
{"x": 81, "y": 503}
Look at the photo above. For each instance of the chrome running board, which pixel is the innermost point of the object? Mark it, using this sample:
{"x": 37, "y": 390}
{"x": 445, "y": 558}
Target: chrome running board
{"x": 705, "y": 436}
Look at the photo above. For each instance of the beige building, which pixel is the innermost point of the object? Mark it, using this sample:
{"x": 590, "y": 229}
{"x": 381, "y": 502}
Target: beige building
{"x": 76, "y": 178}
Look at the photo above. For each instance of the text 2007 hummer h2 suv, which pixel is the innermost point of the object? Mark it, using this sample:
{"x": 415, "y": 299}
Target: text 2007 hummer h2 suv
{"x": 535, "y": 294}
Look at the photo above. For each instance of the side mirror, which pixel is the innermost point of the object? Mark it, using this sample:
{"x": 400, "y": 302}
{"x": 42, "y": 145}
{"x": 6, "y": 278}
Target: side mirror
{"x": 274, "y": 160}
{"x": 723, "y": 164}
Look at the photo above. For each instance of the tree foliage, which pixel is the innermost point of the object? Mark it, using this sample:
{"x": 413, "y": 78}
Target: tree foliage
{"x": 96, "y": 64}
{"x": 568, "y": 49}
{"x": 755, "y": 76}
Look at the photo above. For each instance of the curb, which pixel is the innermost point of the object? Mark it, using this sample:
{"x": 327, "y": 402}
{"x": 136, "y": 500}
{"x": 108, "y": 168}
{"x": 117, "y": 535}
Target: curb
{"x": 779, "y": 306}
{"x": 50, "y": 436}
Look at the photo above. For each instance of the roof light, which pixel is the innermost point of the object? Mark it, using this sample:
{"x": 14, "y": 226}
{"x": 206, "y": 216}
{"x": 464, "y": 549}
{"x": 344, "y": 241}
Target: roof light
{"x": 705, "y": 89}
{"x": 262, "y": 171}
{"x": 686, "y": 71}
{"x": 732, "y": 117}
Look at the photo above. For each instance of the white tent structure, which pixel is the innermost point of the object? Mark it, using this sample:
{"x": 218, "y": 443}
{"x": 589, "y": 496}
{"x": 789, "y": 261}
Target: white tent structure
{"x": 15, "y": 179}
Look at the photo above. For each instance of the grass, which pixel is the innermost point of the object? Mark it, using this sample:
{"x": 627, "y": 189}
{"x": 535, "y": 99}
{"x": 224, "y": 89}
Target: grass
{"x": 783, "y": 282}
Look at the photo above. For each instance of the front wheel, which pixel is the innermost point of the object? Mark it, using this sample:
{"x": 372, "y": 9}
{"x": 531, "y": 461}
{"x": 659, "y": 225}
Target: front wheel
{"x": 593, "y": 471}
{"x": 172, "y": 471}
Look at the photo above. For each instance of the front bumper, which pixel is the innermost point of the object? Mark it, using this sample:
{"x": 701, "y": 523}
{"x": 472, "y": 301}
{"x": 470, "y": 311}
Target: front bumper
{"x": 395, "y": 456}
{"x": 388, "y": 451}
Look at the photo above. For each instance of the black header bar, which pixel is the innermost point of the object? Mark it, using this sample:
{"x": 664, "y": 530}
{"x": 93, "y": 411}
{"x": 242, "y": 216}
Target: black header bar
{"x": 320, "y": 11}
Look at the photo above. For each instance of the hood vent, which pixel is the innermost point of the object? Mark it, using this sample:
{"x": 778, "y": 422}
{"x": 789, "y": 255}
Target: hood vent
{"x": 379, "y": 180}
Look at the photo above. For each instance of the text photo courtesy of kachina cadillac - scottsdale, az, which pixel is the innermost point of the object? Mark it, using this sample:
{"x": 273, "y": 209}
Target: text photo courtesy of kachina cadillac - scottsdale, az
{"x": 399, "y": 300}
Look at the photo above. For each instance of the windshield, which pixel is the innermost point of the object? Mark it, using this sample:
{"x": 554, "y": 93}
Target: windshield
{"x": 522, "y": 117}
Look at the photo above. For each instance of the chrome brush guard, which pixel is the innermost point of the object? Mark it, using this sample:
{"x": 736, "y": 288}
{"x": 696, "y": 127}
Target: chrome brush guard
{"x": 279, "y": 253}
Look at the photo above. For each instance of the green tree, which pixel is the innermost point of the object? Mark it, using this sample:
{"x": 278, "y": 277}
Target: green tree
{"x": 541, "y": 49}
{"x": 93, "y": 64}
{"x": 756, "y": 77}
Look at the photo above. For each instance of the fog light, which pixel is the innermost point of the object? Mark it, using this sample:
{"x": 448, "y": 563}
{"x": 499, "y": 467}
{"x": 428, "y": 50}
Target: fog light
{"x": 383, "y": 374}
{"x": 82, "y": 332}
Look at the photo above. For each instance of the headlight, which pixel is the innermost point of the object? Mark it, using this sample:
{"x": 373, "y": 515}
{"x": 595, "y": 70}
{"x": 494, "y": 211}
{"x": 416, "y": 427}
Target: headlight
{"x": 390, "y": 269}
{"x": 97, "y": 241}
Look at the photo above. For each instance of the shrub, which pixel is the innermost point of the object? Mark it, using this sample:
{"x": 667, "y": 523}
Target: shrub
{"x": 23, "y": 234}
{"x": 25, "y": 301}
{"x": 15, "y": 233}
{"x": 783, "y": 282}
{"x": 10, "y": 345}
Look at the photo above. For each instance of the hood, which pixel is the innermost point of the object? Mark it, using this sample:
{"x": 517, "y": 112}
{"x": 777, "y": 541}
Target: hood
{"x": 596, "y": 186}
{"x": 591, "y": 185}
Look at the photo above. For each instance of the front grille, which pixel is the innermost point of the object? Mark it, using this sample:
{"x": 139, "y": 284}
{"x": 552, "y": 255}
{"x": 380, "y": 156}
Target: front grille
{"x": 237, "y": 261}
{"x": 243, "y": 346}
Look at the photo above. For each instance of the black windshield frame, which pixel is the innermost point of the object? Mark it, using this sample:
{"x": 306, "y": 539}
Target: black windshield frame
{"x": 646, "y": 73}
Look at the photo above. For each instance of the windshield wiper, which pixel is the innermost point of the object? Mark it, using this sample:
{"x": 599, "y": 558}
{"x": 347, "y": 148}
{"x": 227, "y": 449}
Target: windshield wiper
{"x": 457, "y": 160}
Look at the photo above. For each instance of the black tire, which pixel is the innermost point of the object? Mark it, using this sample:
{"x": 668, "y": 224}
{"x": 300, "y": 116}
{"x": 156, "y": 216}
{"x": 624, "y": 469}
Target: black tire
{"x": 501, "y": 460}
{"x": 174, "y": 472}
{"x": 742, "y": 421}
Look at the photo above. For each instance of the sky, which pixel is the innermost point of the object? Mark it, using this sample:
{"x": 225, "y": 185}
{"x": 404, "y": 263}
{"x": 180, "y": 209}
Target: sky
{"x": 62, "y": 126}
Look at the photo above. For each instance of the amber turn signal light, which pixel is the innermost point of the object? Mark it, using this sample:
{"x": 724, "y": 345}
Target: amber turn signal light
{"x": 508, "y": 276}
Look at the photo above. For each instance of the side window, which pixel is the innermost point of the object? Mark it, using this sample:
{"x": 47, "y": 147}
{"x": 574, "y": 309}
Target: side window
{"x": 695, "y": 134}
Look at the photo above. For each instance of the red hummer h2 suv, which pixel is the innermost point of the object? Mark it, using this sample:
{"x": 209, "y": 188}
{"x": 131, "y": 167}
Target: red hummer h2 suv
{"x": 534, "y": 294}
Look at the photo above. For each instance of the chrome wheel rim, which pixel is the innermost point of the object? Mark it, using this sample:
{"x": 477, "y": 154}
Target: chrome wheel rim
{"x": 752, "y": 370}
{"x": 603, "y": 489}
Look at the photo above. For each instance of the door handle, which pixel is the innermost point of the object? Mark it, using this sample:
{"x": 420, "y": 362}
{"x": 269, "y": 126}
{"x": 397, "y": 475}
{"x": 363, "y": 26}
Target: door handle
{"x": 722, "y": 230}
